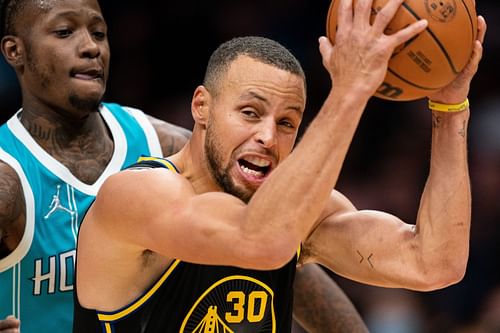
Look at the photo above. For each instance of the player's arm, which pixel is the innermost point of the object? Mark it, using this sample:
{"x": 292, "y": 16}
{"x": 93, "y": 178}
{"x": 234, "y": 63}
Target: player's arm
{"x": 12, "y": 210}
{"x": 172, "y": 137}
{"x": 378, "y": 248}
{"x": 320, "y": 305}
{"x": 157, "y": 209}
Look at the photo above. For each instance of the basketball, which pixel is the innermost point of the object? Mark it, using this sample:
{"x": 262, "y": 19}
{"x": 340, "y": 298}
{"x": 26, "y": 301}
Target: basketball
{"x": 433, "y": 58}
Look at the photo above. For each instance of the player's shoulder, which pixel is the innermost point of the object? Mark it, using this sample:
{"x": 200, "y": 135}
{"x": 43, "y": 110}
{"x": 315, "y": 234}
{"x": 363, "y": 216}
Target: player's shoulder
{"x": 148, "y": 175}
{"x": 148, "y": 186}
{"x": 8, "y": 175}
{"x": 11, "y": 194}
{"x": 168, "y": 129}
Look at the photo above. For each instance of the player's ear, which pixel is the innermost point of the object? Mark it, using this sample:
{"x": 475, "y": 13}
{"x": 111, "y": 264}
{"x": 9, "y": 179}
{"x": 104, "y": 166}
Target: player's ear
{"x": 12, "y": 50}
{"x": 200, "y": 106}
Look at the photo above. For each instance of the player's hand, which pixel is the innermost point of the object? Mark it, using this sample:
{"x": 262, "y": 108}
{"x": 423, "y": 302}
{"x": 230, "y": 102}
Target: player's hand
{"x": 359, "y": 59}
{"x": 458, "y": 90}
{"x": 10, "y": 325}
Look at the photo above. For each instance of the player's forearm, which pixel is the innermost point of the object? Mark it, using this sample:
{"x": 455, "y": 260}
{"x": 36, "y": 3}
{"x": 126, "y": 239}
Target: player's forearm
{"x": 445, "y": 214}
{"x": 321, "y": 306}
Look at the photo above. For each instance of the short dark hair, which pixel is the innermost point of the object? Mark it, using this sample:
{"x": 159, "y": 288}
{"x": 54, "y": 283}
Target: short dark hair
{"x": 262, "y": 49}
{"x": 9, "y": 11}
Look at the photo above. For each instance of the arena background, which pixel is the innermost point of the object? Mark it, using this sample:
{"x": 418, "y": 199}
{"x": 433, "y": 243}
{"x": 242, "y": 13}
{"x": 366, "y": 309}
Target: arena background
{"x": 159, "y": 52}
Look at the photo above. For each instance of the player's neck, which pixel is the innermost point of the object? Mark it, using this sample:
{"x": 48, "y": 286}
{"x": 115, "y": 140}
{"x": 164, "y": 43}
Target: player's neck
{"x": 43, "y": 126}
{"x": 73, "y": 143}
{"x": 192, "y": 165}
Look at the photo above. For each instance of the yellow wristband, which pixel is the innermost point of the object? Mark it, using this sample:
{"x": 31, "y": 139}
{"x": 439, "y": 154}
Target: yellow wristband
{"x": 434, "y": 106}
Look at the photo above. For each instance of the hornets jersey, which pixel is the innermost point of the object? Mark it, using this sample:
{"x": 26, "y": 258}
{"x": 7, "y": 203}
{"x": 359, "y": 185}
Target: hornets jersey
{"x": 39, "y": 273}
{"x": 200, "y": 299}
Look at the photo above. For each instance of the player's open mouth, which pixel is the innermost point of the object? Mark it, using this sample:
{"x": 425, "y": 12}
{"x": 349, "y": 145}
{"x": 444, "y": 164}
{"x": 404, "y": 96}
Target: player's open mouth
{"x": 255, "y": 167}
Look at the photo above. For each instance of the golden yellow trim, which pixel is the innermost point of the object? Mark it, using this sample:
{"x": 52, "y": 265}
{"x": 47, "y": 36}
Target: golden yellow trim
{"x": 140, "y": 301}
{"x": 166, "y": 163}
{"x": 108, "y": 328}
{"x": 435, "y": 106}
{"x": 229, "y": 278}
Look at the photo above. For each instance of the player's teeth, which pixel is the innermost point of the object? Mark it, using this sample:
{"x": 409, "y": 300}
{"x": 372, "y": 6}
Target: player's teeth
{"x": 251, "y": 172}
{"x": 258, "y": 162}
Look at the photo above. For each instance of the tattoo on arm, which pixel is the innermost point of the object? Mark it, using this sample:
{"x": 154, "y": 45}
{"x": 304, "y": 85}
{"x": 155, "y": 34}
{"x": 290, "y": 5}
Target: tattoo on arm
{"x": 436, "y": 123}
{"x": 171, "y": 144}
{"x": 363, "y": 258}
{"x": 463, "y": 131}
{"x": 12, "y": 207}
{"x": 436, "y": 120}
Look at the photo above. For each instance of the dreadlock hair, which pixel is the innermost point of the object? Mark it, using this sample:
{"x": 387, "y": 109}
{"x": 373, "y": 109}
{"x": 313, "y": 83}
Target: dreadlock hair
{"x": 9, "y": 11}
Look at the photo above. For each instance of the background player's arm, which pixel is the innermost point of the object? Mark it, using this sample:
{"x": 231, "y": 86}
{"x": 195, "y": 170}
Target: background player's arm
{"x": 320, "y": 306}
{"x": 172, "y": 137}
{"x": 12, "y": 210}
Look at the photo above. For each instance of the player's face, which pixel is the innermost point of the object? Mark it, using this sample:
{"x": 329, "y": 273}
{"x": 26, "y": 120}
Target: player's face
{"x": 66, "y": 54}
{"x": 253, "y": 124}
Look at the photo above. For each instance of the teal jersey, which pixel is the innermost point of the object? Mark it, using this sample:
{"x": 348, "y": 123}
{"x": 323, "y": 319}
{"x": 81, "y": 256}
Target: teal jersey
{"x": 36, "y": 279}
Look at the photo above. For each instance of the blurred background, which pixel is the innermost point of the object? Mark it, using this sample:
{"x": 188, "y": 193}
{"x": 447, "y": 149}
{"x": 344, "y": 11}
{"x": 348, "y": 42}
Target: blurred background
{"x": 159, "y": 53}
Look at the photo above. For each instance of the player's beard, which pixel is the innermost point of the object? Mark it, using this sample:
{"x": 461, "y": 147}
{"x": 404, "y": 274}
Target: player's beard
{"x": 218, "y": 171}
{"x": 89, "y": 104}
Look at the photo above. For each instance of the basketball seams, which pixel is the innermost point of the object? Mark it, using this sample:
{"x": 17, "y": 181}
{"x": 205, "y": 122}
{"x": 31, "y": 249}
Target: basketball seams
{"x": 473, "y": 29}
{"x": 409, "y": 82}
{"x": 439, "y": 54}
{"x": 434, "y": 37}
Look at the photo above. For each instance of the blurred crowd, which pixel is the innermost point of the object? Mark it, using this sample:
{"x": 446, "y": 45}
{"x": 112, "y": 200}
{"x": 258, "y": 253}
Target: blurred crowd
{"x": 159, "y": 52}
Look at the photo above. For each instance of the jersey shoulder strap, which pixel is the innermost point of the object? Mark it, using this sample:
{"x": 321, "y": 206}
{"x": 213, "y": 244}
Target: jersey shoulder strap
{"x": 148, "y": 162}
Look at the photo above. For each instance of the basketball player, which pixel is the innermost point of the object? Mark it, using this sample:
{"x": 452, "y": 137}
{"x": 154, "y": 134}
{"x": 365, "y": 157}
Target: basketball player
{"x": 56, "y": 152}
{"x": 208, "y": 239}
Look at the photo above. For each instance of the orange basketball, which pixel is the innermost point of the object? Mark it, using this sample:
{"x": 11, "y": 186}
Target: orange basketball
{"x": 433, "y": 58}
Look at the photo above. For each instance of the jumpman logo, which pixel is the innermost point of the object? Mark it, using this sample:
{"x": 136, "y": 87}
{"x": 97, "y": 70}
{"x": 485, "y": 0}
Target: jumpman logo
{"x": 56, "y": 205}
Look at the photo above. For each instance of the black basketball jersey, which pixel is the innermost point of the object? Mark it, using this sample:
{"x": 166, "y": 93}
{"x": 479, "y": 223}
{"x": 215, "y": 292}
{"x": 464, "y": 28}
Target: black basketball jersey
{"x": 201, "y": 298}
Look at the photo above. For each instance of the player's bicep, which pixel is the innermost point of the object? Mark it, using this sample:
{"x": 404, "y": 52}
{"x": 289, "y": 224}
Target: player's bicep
{"x": 368, "y": 246}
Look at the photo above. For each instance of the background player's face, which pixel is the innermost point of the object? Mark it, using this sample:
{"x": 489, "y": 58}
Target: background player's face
{"x": 66, "y": 58}
{"x": 253, "y": 124}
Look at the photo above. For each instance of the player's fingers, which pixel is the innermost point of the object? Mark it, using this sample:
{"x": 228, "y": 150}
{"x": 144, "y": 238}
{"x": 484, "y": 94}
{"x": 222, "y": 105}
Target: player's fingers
{"x": 481, "y": 28}
{"x": 408, "y": 33}
{"x": 326, "y": 49}
{"x": 473, "y": 65}
{"x": 362, "y": 12}
{"x": 386, "y": 14}
{"x": 477, "y": 50}
{"x": 344, "y": 14}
